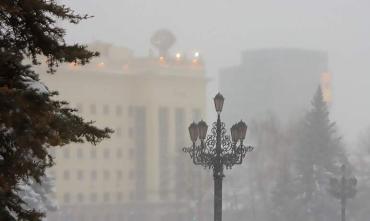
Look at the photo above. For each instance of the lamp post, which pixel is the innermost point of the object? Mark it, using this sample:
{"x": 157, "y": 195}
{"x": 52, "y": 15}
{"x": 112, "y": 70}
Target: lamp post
{"x": 217, "y": 150}
{"x": 343, "y": 188}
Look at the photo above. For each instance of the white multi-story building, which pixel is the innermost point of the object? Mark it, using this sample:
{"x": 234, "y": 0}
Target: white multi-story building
{"x": 141, "y": 171}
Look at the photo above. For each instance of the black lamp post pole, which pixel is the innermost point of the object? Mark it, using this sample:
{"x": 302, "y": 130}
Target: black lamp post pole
{"x": 217, "y": 150}
{"x": 218, "y": 175}
{"x": 343, "y": 189}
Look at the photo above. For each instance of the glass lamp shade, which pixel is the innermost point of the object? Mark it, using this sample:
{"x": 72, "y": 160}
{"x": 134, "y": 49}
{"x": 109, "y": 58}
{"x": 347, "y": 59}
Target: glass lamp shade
{"x": 242, "y": 130}
{"x": 219, "y": 102}
{"x": 203, "y": 127}
{"x": 234, "y": 133}
{"x": 193, "y": 132}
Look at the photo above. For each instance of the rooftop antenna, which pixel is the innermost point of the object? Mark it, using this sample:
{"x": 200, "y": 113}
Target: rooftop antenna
{"x": 163, "y": 40}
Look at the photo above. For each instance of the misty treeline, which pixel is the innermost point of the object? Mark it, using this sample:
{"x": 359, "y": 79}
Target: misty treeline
{"x": 287, "y": 177}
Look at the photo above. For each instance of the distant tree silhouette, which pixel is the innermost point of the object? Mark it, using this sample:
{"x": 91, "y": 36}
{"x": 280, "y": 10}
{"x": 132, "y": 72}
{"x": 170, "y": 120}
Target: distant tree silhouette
{"x": 319, "y": 153}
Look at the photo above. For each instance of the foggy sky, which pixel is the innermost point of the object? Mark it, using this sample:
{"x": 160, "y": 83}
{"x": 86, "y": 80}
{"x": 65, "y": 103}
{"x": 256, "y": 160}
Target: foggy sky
{"x": 221, "y": 29}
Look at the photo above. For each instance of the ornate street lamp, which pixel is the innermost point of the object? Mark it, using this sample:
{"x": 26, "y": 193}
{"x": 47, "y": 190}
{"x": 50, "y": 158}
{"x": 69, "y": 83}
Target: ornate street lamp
{"x": 343, "y": 188}
{"x": 217, "y": 150}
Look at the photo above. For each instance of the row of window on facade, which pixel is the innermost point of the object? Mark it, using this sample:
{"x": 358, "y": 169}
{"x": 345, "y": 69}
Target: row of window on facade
{"x": 93, "y": 153}
{"x": 118, "y": 132}
{"x": 106, "y": 175}
{"x": 105, "y": 197}
{"x": 106, "y": 109}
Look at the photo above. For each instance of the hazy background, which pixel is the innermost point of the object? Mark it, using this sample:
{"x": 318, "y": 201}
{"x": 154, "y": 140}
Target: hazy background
{"x": 221, "y": 29}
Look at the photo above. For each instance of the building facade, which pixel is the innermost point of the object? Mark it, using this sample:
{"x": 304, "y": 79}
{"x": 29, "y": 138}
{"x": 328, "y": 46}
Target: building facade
{"x": 141, "y": 172}
{"x": 274, "y": 81}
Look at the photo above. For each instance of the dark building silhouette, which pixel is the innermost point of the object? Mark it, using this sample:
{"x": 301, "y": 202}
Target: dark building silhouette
{"x": 277, "y": 81}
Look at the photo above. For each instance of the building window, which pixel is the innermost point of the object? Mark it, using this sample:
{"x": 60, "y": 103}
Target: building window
{"x": 180, "y": 126}
{"x": 106, "y": 153}
{"x": 80, "y": 197}
{"x": 107, "y": 217}
{"x": 130, "y": 111}
{"x": 93, "y": 152}
{"x": 67, "y": 198}
{"x": 118, "y": 110}
{"x": 131, "y": 175}
{"x": 93, "y": 175}
{"x": 131, "y": 152}
{"x": 119, "y": 174}
{"x": 93, "y": 197}
{"x": 80, "y": 175}
{"x": 132, "y": 196}
{"x": 105, "y": 109}
{"x": 79, "y": 107}
{"x": 92, "y": 109}
{"x": 66, "y": 175}
{"x": 118, "y": 132}
{"x": 119, "y": 153}
{"x": 119, "y": 196}
{"x": 197, "y": 115}
{"x": 106, "y": 197}
{"x": 81, "y": 217}
{"x": 106, "y": 174}
{"x": 66, "y": 153}
{"x": 79, "y": 153}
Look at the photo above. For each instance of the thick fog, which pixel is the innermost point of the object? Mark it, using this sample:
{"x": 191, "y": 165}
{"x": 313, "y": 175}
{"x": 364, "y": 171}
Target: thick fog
{"x": 252, "y": 52}
{"x": 222, "y": 29}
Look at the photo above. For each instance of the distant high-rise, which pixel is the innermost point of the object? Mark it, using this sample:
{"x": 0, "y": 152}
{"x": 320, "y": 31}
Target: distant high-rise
{"x": 274, "y": 81}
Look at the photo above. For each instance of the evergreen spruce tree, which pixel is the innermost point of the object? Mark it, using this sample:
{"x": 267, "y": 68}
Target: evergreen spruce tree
{"x": 284, "y": 207}
{"x": 31, "y": 120}
{"x": 39, "y": 196}
{"x": 282, "y": 189}
{"x": 319, "y": 155}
